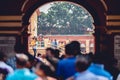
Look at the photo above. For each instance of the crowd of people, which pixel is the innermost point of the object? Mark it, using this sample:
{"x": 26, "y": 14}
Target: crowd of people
{"x": 51, "y": 66}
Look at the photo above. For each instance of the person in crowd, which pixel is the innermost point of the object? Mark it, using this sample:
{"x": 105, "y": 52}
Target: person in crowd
{"x": 54, "y": 44}
{"x": 3, "y": 65}
{"x": 12, "y": 62}
{"x": 49, "y": 52}
{"x": 31, "y": 63}
{"x": 57, "y": 53}
{"x": 97, "y": 67}
{"x": 44, "y": 71}
{"x": 66, "y": 67}
{"x": 34, "y": 46}
{"x": 39, "y": 56}
{"x": 82, "y": 64}
{"x": 21, "y": 73}
{"x": 3, "y": 73}
{"x": 76, "y": 47}
{"x": 52, "y": 55}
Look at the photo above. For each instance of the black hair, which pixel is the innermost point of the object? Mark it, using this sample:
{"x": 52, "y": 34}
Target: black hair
{"x": 56, "y": 53}
{"x": 69, "y": 49}
{"x": 46, "y": 69}
{"x": 82, "y": 63}
{"x": 30, "y": 57}
{"x": 51, "y": 50}
{"x": 76, "y": 47}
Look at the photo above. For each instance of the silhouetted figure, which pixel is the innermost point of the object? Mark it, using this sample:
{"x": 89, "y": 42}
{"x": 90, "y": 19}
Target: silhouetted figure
{"x": 82, "y": 64}
{"x": 3, "y": 65}
{"x": 52, "y": 58}
{"x": 31, "y": 63}
{"x": 44, "y": 71}
{"x": 97, "y": 67}
{"x": 66, "y": 67}
{"x": 34, "y": 46}
{"x": 57, "y": 53}
{"x": 54, "y": 44}
{"x": 76, "y": 47}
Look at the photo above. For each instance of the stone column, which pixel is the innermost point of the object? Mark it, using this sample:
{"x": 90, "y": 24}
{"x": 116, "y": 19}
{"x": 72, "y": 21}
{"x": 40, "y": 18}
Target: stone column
{"x": 97, "y": 39}
{"x": 24, "y": 39}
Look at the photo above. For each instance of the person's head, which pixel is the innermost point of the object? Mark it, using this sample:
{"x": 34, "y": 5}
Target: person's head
{"x": 43, "y": 70}
{"x": 69, "y": 49}
{"x": 50, "y": 52}
{"x": 76, "y": 47}
{"x": 31, "y": 60}
{"x": 56, "y": 53}
{"x": 3, "y": 56}
{"x": 34, "y": 38}
{"x": 91, "y": 55}
{"x": 21, "y": 60}
{"x": 82, "y": 63}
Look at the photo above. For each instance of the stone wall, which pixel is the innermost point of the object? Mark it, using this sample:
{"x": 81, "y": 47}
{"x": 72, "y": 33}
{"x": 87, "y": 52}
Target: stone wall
{"x": 117, "y": 48}
{"x": 7, "y": 45}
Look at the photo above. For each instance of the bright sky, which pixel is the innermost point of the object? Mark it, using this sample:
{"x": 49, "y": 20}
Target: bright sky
{"x": 45, "y": 8}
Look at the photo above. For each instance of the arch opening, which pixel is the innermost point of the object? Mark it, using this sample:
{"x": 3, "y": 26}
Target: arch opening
{"x": 46, "y": 29}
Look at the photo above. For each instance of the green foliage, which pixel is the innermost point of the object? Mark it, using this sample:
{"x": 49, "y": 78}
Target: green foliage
{"x": 64, "y": 18}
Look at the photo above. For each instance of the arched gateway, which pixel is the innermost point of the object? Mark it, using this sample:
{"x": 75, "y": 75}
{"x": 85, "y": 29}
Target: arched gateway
{"x": 15, "y": 15}
{"x": 96, "y": 8}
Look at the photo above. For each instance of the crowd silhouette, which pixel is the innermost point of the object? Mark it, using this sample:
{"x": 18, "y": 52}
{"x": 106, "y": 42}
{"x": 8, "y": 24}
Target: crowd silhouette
{"x": 73, "y": 65}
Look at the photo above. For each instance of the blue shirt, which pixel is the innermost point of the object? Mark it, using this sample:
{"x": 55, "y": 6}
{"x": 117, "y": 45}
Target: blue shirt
{"x": 22, "y": 74}
{"x": 66, "y": 68}
{"x": 98, "y": 69}
{"x": 86, "y": 75}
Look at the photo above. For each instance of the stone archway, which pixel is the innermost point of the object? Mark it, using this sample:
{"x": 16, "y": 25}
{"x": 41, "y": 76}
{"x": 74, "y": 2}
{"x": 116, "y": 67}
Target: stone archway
{"x": 96, "y": 9}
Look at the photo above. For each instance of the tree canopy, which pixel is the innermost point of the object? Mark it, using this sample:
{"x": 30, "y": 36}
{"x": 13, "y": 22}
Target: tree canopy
{"x": 64, "y": 18}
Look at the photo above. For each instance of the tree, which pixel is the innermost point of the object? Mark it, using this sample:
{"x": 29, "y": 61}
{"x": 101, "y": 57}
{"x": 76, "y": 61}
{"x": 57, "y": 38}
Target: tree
{"x": 64, "y": 18}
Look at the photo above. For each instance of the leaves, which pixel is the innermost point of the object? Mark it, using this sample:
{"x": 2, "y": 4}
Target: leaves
{"x": 64, "y": 18}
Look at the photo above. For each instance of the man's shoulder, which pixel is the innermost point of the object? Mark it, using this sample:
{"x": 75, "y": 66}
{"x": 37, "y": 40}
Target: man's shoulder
{"x": 67, "y": 61}
{"x": 64, "y": 60}
{"x": 10, "y": 76}
{"x": 21, "y": 74}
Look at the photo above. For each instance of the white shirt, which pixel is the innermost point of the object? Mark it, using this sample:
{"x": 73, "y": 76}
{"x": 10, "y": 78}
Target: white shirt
{"x": 5, "y": 66}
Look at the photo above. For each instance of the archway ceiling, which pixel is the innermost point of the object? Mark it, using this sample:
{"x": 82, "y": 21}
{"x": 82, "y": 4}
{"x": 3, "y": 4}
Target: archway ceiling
{"x": 11, "y": 12}
{"x": 13, "y": 7}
